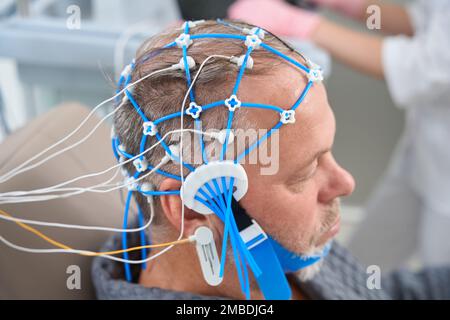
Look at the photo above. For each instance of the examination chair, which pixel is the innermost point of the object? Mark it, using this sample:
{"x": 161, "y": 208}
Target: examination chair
{"x": 45, "y": 276}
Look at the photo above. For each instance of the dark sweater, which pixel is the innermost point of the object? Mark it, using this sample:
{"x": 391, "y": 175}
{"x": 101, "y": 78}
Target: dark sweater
{"x": 341, "y": 277}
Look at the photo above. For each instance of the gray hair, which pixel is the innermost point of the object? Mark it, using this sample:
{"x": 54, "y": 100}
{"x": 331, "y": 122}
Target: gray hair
{"x": 163, "y": 93}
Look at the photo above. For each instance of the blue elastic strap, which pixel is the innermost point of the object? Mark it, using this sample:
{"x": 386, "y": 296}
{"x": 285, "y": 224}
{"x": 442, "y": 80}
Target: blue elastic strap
{"x": 113, "y": 144}
{"x": 292, "y": 262}
{"x": 270, "y": 255}
{"x": 272, "y": 281}
{"x": 235, "y": 247}
{"x": 124, "y": 237}
{"x": 227, "y": 226}
{"x": 142, "y": 236}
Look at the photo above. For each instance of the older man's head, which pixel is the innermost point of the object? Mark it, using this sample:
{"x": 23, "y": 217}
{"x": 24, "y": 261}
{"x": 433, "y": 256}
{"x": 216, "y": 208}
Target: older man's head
{"x": 297, "y": 204}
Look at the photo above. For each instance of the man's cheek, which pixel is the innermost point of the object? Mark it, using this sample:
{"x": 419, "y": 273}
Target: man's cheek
{"x": 308, "y": 221}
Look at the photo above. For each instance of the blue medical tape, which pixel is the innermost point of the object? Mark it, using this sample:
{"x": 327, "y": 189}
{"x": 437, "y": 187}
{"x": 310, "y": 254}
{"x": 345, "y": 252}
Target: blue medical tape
{"x": 188, "y": 74}
{"x": 292, "y": 262}
{"x": 272, "y": 281}
{"x": 226, "y": 226}
{"x": 130, "y": 156}
{"x": 258, "y": 142}
{"x": 234, "y": 246}
{"x": 124, "y": 236}
{"x": 142, "y": 235}
{"x": 175, "y": 158}
{"x": 265, "y": 251}
{"x": 242, "y": 69}
{"x": 302, "y": 96}
{"x": 113, "y": 145}
{"x": 218, "y": 36}
{"x": 178, "y": 114}
{"x": 261, "y": 106}
{"x": 136, "y": 106}
{"x": 160, "y": 193}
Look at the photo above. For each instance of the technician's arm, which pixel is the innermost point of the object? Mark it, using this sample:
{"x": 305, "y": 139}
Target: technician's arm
{"x": 358, "y": 50}
{"x": 394, "y": 18}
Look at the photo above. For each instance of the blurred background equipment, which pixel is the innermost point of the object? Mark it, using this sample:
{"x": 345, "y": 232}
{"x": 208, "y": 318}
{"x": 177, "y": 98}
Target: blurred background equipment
{"x": 56, "y": 61}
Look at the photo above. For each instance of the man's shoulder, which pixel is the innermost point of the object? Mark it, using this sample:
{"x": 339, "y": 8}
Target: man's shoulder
{"x": 342, "y": 276}
{"x": 110, "y": 284}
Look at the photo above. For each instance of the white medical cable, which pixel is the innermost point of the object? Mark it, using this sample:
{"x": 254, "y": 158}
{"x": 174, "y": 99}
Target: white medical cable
{"x": 19, "y": 169}
{"x": 29, "y": 250}
{"x": 57, "y": 186}
{"x": 16, "y": 171}
{"x": 122, "y": 41}
{"x": 103, "y": 184}
{"x": 82, "y": 190}
{"x": 72, "y": 226}
{"x": 7, "y": 200}
{"x": 74, "y": 251}
{"x": 38, "y": 198}
{"x": 181, "y": 144}
{"x": 79, "y": 227}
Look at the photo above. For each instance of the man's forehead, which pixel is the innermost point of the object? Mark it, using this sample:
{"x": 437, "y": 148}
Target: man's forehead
{"x": 313, "y": 129}
{"x": 280, "y": 87}
{"x": 283, "y": 89}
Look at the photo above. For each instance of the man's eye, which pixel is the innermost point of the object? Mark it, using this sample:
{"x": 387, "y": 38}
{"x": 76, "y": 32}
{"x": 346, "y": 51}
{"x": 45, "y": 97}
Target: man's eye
{"x": 298, "y": 182}
{"x": 313, "y": 172}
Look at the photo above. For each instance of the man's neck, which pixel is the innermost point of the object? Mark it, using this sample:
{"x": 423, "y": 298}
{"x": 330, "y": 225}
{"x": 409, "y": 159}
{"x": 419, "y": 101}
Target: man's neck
{"x": 177, "y": 270}
{"x": 297, "y": 293}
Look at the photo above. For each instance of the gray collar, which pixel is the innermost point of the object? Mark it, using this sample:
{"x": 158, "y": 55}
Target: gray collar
{"x": 341, "y": 277}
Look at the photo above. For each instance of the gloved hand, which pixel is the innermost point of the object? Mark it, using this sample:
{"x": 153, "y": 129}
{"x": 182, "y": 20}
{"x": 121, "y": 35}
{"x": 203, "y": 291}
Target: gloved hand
{"x": 276, "y": 16}
{"x": 351, "y": 8}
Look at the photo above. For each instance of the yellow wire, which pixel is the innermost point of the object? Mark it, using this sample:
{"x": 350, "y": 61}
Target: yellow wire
{"x": 93, "y": 254}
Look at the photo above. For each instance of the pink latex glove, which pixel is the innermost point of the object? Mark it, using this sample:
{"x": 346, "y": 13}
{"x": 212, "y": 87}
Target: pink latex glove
{"x": 276, "y": 16}
{"x": 351, "y": 8}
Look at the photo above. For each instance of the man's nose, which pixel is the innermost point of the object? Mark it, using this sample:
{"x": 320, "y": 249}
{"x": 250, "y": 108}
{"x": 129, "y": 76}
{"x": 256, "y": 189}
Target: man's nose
{"x": 340, "y": 183}
{"x": 346, "y": 183}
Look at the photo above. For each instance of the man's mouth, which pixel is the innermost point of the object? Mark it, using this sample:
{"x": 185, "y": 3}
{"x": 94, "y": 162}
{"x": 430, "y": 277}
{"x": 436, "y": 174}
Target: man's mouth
{"x": 332, "y": 231}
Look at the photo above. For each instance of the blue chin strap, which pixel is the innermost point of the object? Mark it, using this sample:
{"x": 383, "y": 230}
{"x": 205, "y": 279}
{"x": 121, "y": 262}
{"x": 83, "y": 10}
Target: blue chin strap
{"x": 292, "y": 262}
{"x": 273, "y": 260}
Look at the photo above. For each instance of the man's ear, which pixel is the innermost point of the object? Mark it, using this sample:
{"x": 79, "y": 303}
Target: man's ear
{"x": 171, "y": 206}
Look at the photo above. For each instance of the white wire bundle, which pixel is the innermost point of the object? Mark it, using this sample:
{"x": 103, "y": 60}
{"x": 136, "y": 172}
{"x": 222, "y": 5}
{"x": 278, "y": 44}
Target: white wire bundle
{"x": 76, "y": 251}
{"x": 21, "y": 196}
{"x": 18, "y": 196}
{"x": 24, "y": 168}
{"x": 181, "y": 142}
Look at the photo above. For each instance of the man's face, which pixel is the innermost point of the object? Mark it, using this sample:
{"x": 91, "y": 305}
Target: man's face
{"x": 298, "y": 205}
